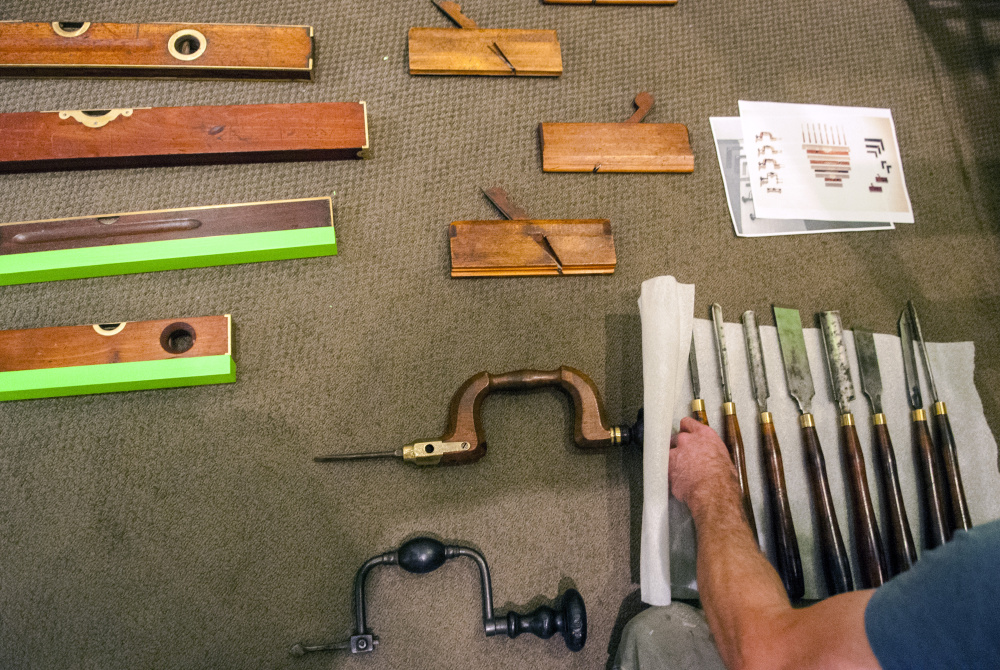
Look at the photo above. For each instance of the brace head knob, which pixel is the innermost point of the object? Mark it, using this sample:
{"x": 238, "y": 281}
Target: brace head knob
{"x": 421, "y": 555}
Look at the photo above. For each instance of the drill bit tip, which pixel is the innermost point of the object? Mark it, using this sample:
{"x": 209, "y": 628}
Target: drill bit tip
{"x": 398, "y": 453}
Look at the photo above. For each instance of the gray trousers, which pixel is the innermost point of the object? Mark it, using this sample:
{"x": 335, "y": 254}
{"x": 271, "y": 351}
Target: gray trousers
{"x": 674, "y": 637}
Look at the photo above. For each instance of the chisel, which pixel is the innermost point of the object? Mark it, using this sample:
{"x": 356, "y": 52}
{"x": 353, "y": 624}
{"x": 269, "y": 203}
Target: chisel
{"x": 868, "y": 539}
{"x": 936, "y": 528}
{"x": 731, "y": 426}
{"x": 697, "y": 402}
{"x": 836, "y": 567}
{"x": 786, "y": 544}
{"x": 958, "y": 508}
{"x": 902, "y": 551}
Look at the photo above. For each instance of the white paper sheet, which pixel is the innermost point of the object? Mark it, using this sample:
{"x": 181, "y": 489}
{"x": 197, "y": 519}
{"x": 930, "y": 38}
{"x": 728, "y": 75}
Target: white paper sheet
{"x": 728, "y": 133}
{"x": 667, "y": 310}
{"x": 822, "y": 162}
{"x": 953, "y": 370}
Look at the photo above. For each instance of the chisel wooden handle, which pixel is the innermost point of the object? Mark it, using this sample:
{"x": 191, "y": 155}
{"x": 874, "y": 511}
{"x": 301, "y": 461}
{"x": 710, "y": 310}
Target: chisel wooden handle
{"x": 902, "y": 550}
{"x": 936, "y": 528}
{"x": 958, "y": 507}
{"x": 836, "y": 567}
{"x": 698, "y": 410}
{"x": 871, "y": 560}
{"x": 785, "y": 543}
{"x": 734, "y": 442}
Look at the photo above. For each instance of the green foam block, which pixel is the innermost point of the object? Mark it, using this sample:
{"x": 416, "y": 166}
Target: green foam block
{"x": 110, "y": 377}
{"x": 195, "y": 252}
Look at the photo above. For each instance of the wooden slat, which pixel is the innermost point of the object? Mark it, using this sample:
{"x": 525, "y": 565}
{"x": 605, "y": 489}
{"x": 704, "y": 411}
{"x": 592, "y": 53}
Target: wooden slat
{"x": 518, "y": 248}
{"x": 39, "y": 141}
{"x": 70, "y": 346}
{"x": 465, "y": 51}
{"x": 610, "y": 2}
{"x": 164, "y": 224}
{"x": 616, "y": 147}
{"x": 130, "y": 49}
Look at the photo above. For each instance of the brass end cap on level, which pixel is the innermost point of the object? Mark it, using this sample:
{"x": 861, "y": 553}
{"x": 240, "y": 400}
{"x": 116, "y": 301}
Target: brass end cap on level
{"x": 847, "y": 419}
{"x": 729, "y": 408}
{"x": 878, "y": 419}
{"x": 807, "y": 421}
{"x": 939, "y": 408}
{"x": 918, "y": 415}
{"x": 697, "y": 405}
{"x": 765, "y": 417}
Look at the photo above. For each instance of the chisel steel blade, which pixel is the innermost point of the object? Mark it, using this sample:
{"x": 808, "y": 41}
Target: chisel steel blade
{"x": 868, "y": 370}
{"x": 793, "y": 355}
{"x": 755, "y": 358}
{"x": 720, "y": 349}
{"x": 693, "y": 369}
{"x": 836, "y": 359}
{"x": 919, "y": 333}
{"x": 910, "y": 362}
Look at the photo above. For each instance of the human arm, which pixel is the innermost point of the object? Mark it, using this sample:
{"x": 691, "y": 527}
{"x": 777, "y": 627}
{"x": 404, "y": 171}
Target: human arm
{"x": 748, "y": 611}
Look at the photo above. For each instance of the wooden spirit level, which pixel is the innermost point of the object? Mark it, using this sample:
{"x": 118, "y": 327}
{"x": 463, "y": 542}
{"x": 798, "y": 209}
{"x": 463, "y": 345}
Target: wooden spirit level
{"x": 168, "y": 239}
{"x": 472, "y": 50}
{"x": 142, "y": 137}
{"x": 102, "y": 358}
{"x": 617, "y": 147}
{"x": 84, "y": 49}
{"x": 523, "y": 247}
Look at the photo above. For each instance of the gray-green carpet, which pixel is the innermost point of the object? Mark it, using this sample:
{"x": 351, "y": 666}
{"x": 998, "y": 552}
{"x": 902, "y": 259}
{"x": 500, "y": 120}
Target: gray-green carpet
{"x": 189, "y": 528}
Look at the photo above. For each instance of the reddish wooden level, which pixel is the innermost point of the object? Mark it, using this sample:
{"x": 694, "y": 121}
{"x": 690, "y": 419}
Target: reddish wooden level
{"x": 40, "y": 141}
{"x": 155, "y": 49}
{"x": 69, "y": 346}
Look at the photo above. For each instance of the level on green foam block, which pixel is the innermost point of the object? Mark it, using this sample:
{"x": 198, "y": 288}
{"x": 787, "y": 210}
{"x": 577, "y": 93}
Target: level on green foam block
{"x": 103, "y": 358}
{"x": 99, "y": 246}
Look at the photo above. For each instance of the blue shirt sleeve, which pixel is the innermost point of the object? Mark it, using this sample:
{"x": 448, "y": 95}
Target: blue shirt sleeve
{"x": 945, "y": 611}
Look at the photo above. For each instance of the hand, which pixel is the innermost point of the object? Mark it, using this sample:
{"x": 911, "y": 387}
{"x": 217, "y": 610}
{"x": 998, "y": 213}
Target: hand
{"x": 699, "y": 462}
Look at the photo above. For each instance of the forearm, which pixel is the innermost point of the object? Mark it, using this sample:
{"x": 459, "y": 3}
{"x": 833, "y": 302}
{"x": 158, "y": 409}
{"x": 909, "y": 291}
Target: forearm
{"x": 743, "y": 597}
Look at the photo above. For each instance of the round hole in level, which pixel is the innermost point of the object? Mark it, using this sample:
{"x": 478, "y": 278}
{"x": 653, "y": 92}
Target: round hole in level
{"x": 187, "y": 44}
{"x": 107, "y": 220}
{"x": 177, "y": 338}
{"x": 108, "y": 329}
{"x": 429, "y": 449}
{"x": 70, "y": 28}
{"x": 96, "y": 112}
{"x": 108, "y": 326}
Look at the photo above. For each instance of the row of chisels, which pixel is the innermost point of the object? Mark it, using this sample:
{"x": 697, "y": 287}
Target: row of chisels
{"x": 943, "y": 503}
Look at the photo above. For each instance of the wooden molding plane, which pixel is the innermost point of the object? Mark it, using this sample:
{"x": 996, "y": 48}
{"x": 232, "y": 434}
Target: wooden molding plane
{"x": 525, "y": 247}
{"x": 204, "y": 50}
{"x": 168, "y": 239}
{"x": 154, "y": 136}
{"x": 102, "y": 358}
{"x": 631, "y": 146}
{"x": 610, "y": 2}
{"x": 472, "y": 50}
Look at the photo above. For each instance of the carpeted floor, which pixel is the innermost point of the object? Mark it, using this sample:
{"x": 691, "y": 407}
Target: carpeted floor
{"x": 189, "y": 528}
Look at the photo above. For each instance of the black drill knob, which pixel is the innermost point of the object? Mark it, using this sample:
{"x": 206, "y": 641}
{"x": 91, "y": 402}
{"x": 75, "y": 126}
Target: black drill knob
{"x": 421, "y": 555}
{"x": 570, "y": 619}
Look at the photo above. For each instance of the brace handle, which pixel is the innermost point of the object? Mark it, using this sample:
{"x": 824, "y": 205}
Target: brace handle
{"x": 590, "y": 430}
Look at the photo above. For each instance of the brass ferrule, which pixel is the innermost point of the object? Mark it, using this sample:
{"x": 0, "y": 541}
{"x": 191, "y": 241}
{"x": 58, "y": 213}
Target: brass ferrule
{"x": 847, "y": 419}
{"x": 940, "y": 409}
{"x": 918, "y": 415}
{"x": 765, "y": 417}
{"x": 878, "y": 419}
{"x": 807, "y": 421}
{"x": 697, "y": 405}
{"x": 729, "y": 408}
{"x": 616, "y": 436}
